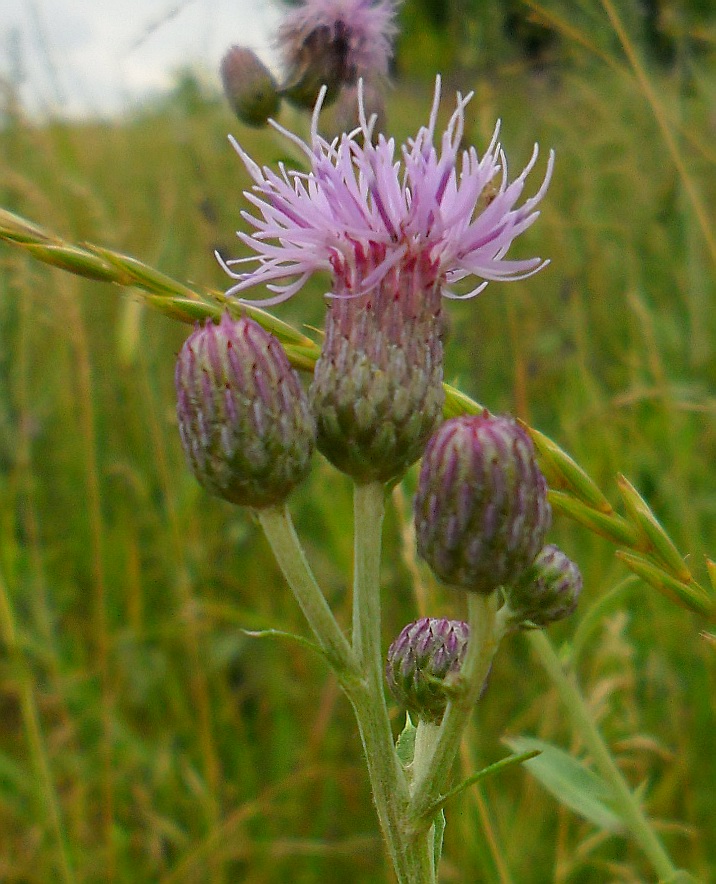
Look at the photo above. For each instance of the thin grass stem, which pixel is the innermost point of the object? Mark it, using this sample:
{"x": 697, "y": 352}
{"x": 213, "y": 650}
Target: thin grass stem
{"x": 583, "y": 723}
{"x": 47, "y": 794}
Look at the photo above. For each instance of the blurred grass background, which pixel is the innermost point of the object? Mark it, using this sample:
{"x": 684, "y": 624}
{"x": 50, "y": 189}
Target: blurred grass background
{"x": 143, "y": 736}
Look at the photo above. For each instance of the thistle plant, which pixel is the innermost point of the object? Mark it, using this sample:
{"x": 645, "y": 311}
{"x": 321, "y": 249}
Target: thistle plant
{"x": 397, "y": 230}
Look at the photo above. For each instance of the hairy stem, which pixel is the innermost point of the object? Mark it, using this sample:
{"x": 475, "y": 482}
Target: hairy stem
{"x": 412, "y": 858}
{"x": 485, "y": 633}
{"x": 281, "y": 535}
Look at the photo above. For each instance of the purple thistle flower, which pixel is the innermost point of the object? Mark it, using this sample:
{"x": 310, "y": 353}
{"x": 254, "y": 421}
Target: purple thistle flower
{"x": 334, "y": 42}
{"x": 442, "y": 208}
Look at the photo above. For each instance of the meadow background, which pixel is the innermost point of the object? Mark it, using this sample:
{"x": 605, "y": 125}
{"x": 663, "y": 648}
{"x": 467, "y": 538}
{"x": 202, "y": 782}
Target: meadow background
{"x": 143, "y": 735}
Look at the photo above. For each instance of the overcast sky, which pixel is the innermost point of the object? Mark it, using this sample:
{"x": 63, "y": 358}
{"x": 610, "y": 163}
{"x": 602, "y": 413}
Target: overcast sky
{"x": 80, "y": 57}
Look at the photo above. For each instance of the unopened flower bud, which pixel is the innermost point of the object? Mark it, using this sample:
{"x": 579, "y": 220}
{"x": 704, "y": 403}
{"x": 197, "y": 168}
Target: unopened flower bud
{"x": 244, "y": 419}
{"x": 481, "y": 510}
{"x": 251, "y": 90}
{"x": 423, "y": 662}
{"x": 548, "y": 591}
{"x": 377, "y": 389}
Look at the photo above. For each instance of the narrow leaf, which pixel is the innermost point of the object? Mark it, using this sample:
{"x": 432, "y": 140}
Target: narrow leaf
{"x": 572, "y": 783}
{"x": 611, "y": 526}
{"x": 457, "y": 403}
{"x": 658, "y": 539}
{"x": 405, "y": 745}
{"x": 497, "y": 767}
{"x": 711, "y": 568}
{"x": 690, "y": 596}
{"x": 15, "y": 228}
{"x": 279, "y": 633}
{"x": 144, "y": 276}
{"x": 73, "y": 260}
{"x": 566, "y": 473}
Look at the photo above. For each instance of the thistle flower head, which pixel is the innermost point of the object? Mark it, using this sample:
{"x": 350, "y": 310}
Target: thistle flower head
{"x": 333, "y": 42}
{"x": 418, "y": 201}
{"x": 548, "y": 591}
{"x": 481, "y": 510}
{"x": 421, "y": 663}
{"x": 244, "y": 419}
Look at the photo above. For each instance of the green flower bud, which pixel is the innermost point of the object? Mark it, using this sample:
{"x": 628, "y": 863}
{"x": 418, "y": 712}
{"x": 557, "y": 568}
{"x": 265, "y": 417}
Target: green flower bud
{"x": 244, "y": 419}
{"x": 423, "y": 661}
{"x": 481, "y": 510}
{"x": 377, "y": 388}
{"x": 548, "y": 591}
{"x": 251, "y": 90}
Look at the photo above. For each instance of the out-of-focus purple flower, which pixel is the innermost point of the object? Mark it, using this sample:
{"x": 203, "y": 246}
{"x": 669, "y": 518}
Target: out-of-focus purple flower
{"x": 334, "y": 42}
{"x": 448, "y": 209}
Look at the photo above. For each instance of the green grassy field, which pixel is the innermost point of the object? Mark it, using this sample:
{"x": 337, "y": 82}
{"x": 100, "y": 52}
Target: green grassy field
{"x": 143, "y": 735}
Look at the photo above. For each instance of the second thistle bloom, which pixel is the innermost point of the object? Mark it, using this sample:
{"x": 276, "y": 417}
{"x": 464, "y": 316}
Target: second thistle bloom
{"x": 481, "y": 510}
{"x": 334, "y": 42}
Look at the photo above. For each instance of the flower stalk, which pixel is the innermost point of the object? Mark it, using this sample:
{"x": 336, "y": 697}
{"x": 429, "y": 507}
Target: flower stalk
{"x": 413, "y": 862}
{"x": 486, "y": 630}
{"x": 281, "y": 535}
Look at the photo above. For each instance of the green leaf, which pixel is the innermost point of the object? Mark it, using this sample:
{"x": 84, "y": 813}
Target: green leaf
{"x": 608, "y": 525}
{"x": 570, "y": 782}
{"x": 687, "y": 595}
{"x": 405, "y": 746}
{"x": 564, "y": 472}
{"x": 652, "y": 530}
{"x": 438, "y": 839}
{"x": 279, "y": 633}
{"x": 499, "y": 766}
{"x": 73, "y": 260}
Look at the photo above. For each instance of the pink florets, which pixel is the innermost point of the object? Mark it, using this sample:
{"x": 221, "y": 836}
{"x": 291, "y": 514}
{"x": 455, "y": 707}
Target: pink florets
{"x": 363, "y": 29}
{"x": 442, "y": 205}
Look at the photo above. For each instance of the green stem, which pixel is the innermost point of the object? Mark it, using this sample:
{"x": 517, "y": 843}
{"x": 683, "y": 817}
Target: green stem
{"x": 412, "y": 857}
{"x": 485, "y": 633}
{"x": 281, "y": 535}
{"x": 583, "y": 723}
{"x": 38, "y": 751}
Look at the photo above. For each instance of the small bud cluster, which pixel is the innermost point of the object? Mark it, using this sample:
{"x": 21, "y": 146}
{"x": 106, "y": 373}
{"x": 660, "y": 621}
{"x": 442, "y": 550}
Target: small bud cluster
{"x": 422, "y": 661}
